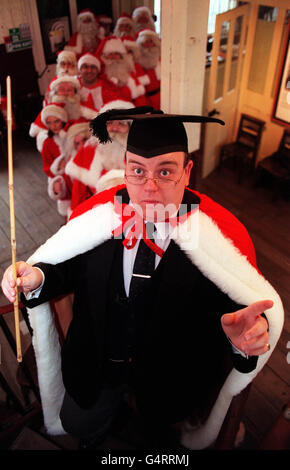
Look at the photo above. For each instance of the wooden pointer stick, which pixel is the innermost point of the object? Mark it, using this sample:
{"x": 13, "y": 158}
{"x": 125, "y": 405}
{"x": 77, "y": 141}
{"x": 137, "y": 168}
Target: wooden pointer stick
{"x": 12, "y": 216}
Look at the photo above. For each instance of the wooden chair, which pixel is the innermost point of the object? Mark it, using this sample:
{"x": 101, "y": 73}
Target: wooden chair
{"x": 244, "y": 150}
{"x": 277, "y": 167}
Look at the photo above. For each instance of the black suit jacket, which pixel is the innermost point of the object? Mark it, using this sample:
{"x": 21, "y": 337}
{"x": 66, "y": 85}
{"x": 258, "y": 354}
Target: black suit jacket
{"x": 183, "y": 355}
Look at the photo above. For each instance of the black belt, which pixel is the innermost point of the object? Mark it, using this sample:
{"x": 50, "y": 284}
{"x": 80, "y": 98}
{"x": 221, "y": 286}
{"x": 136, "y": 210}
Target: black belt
{"x": 151, "y": 93}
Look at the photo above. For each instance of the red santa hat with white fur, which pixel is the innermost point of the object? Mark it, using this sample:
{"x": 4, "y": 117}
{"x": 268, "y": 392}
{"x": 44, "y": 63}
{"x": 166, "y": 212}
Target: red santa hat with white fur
{"x": 90, "y": 59}
{"x": 110, "y": 44}
{"x": 124, "y": 19}
{"x": 143, "y": 34}
{"x": 66, "y": 55}
{"x": 53, "y": 109}
{"x": 83, "y": 13}
{"x": 139, "y": 12}
{"x": 63, "y": 79}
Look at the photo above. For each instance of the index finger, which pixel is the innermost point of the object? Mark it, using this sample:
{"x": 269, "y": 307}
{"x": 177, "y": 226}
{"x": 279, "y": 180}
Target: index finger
{"x": 257, "y": 308}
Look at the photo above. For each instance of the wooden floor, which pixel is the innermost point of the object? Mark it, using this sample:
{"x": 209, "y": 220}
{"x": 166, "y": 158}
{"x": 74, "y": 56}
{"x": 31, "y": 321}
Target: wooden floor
{"x": 267, "y": 223}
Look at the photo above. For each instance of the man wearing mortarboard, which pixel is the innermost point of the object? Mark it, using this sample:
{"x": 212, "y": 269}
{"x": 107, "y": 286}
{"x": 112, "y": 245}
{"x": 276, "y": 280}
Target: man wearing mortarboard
{"x": 169, "y": 305}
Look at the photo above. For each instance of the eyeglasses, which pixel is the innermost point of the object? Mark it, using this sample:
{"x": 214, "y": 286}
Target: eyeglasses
{"x": 161, "y": 181}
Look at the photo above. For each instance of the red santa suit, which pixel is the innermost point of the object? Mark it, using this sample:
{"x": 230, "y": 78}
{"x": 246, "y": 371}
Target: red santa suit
{"x": 73, "y": 128}
{"x": 77, "y": 43}
{"x": 96, "y": 166}
{"x": 55, "y": 110}
{"x": 154, "y": 74}
{"x": 51, "y": 148}
{"x": 143, "y": 18}
{"x": 51, "y": 151}
{"x": 132, "y": 48}
{"x": 125, "y": 26}
{"x": 96, "y": 95}
{"x": 133, "y": 91}
{"x": 86, "y": 110}
{"x": 67, "y": 56}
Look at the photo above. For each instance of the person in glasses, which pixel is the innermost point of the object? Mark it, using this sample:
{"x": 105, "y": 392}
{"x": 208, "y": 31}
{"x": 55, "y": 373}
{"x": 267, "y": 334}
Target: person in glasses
{"x": 169, "y": 309}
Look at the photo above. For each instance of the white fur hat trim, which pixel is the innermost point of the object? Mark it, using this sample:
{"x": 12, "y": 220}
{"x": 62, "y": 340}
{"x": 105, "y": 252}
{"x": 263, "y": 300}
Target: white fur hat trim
{"x": 140, "y": 10}
{"x": 77, "y": 128}
{"x": 66, "y": 78}
{"x": 54, "y": 110}
{"x": 148, "y": 32}
{"x": 116, "y": 104}
{"x": 89, "y": 59}
{"x": 114, "y": 45}
{"x": 68, "y": 55}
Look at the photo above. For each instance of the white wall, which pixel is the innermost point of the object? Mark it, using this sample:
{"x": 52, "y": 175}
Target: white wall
{"x": 12, "y": 14}
{"x": 184, "y": 35}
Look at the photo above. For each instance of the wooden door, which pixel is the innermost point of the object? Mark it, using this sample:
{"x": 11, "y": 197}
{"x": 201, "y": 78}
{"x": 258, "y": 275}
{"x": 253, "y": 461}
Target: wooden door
{"x": 224, "y": 80}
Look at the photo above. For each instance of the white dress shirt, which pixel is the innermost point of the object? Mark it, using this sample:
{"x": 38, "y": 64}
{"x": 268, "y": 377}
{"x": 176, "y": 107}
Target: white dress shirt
{"x": 161, "y": 238}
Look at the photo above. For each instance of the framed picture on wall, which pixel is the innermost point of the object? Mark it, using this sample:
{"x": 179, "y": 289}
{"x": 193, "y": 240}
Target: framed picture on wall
{"x": 54, "y": 19}
{"x": 55, "y": 34}
{"x": 281, "y": 110}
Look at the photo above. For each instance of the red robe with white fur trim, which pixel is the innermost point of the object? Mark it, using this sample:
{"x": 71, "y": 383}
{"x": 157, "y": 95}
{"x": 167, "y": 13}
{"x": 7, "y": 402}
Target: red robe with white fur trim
{"x": 224, "y": 254}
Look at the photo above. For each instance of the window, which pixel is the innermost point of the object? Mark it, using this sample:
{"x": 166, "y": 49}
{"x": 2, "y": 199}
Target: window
{"x": 157, "y": 13}
{"x": 215, "y": 8}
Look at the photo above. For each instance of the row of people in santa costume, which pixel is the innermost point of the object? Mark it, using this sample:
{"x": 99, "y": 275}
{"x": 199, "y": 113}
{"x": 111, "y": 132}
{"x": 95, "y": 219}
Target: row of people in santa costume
{"x": 65, "y": 90}
{"x": 101, "y": 86}
{"x": 96, "y": 167}
{"x": 140, "y": 31}
{"x": 77, "y": 166}
{"x": 117, "y": 76}
{"x": 57, "y": 145}
{"x": 91, "y": 28}
{"x": 119, "y": 72}
{"x": 128, "y": 69}
{"x": 133, "y": 61}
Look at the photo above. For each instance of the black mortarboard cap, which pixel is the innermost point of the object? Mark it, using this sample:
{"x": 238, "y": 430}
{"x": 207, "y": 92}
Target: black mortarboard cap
{"x": 152, "y": 131}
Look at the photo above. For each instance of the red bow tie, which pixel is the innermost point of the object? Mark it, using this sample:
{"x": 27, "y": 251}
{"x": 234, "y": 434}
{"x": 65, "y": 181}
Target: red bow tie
{"x": 130, "y": 217}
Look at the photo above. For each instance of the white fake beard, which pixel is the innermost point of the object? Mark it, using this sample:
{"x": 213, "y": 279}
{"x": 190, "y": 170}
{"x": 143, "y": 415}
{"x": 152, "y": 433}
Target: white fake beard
{"x": 114, "y": 152}
{"x": 120, "y": 34}
{"x": 148, "y": 25}
{"x": 89, "y": 33}
{"x": 131, "y": 63}
{"x": 72, "y": 105}
{"x": 70, "y": 151}
{"x": 149, "y": 57}
{"x": 69, "y": 71}
{"x": 118, "y": 69}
